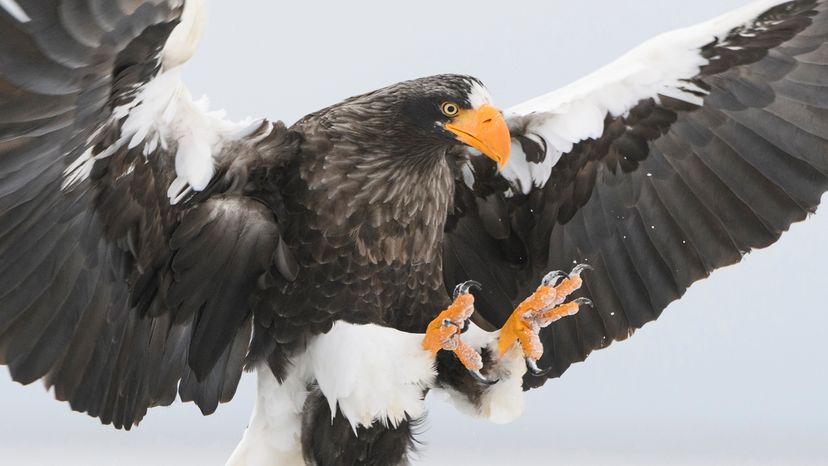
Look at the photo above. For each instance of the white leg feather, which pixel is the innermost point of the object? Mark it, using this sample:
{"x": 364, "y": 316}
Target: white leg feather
{"x": 372, "y": 373}
{"x": 502, "y": 402}
{"x": 273, "y": 435}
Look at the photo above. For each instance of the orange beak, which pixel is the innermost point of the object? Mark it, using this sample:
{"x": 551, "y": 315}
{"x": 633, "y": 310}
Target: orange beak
{"x": 486, "y": 130}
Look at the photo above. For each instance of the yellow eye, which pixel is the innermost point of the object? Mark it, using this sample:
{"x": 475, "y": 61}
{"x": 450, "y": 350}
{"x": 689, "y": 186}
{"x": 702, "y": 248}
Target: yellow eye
{"x": 449, "y": 109}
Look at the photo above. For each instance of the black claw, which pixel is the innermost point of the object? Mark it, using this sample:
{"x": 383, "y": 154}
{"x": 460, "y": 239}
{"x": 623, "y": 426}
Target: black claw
{"x": 464, "y": 287}
{"x": 584, "y": 302}
{"x": 480, "y": 378}
{"x": 447, "y": 322}
{"x": 553, "y": 278}
{"x": 532, "y": 367}
{"x": 580, "y": 269}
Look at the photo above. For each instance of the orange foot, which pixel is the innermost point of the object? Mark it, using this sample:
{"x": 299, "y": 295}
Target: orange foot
{"x": 443, "y": 333}
{"x": 546, "y": 305}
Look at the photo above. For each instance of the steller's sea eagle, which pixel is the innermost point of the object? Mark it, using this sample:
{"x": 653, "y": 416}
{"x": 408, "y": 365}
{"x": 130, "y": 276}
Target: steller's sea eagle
{"x": 408, "y": 239}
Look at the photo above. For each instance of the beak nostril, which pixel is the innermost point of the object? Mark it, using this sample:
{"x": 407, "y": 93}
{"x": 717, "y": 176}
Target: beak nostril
{"x": 484, "y": 129}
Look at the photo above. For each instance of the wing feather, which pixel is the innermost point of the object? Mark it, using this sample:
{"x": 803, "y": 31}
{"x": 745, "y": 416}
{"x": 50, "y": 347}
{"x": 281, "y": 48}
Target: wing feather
{"x": 677, "y": 159}
{"x": 129, "y": 248}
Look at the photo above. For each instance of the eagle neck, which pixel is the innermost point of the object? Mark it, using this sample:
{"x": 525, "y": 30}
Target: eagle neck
{"x": 394, "y": 207}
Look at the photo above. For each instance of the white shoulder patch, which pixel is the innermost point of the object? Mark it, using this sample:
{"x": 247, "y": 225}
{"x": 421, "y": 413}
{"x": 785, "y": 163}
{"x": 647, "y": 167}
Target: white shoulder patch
{"x": 164, "y": 117}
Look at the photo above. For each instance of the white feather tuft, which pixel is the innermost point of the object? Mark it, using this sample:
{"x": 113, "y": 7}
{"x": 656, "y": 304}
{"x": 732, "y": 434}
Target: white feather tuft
{"x": 478, "y": 95}
{"x": 184, "y": 40}
{"x": 78, "y": 170}
{"x": 165, "y": 115}
{"x": 194, "y": 159}
{"x": 14, "y": 9}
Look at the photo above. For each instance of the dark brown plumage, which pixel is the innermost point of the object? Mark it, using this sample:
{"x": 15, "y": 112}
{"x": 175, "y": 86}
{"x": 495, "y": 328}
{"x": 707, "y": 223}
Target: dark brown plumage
{"x": 363, "y": 211}
{"x": 283, "y": 223}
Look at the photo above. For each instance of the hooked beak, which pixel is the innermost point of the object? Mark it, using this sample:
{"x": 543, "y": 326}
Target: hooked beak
{"x": 486, "y": 130}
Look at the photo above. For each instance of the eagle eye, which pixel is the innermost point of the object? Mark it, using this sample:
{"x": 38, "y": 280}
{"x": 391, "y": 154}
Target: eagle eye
{"x": 449, "y": 109}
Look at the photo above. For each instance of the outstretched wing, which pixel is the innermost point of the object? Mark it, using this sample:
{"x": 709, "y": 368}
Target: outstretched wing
{"x": 677, "y": 159}
{"x": 128, "y": 250}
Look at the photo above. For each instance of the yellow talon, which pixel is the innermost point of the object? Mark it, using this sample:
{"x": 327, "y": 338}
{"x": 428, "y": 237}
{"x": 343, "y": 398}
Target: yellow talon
{"x": 544, "y": 306}
{"x": 445, "y": 327}
{"x": 443, "y": 333}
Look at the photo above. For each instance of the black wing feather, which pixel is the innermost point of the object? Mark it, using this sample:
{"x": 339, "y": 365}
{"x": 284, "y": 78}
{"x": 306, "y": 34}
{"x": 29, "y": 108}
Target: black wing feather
{"x": 669, "y": 192}
{"x": 113, "y": 295}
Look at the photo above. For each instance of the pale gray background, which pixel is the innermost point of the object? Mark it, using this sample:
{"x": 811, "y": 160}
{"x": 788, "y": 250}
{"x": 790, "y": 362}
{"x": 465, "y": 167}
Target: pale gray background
{"x": 735, "y": 373}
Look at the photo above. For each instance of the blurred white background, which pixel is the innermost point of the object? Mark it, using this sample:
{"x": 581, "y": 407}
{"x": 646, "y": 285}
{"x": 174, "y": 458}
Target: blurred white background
{"x": 735, "y": 373}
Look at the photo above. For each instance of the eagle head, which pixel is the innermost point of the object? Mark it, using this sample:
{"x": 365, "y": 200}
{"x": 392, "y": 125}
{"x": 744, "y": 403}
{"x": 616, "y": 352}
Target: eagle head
{"x": 424, "y": 116}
